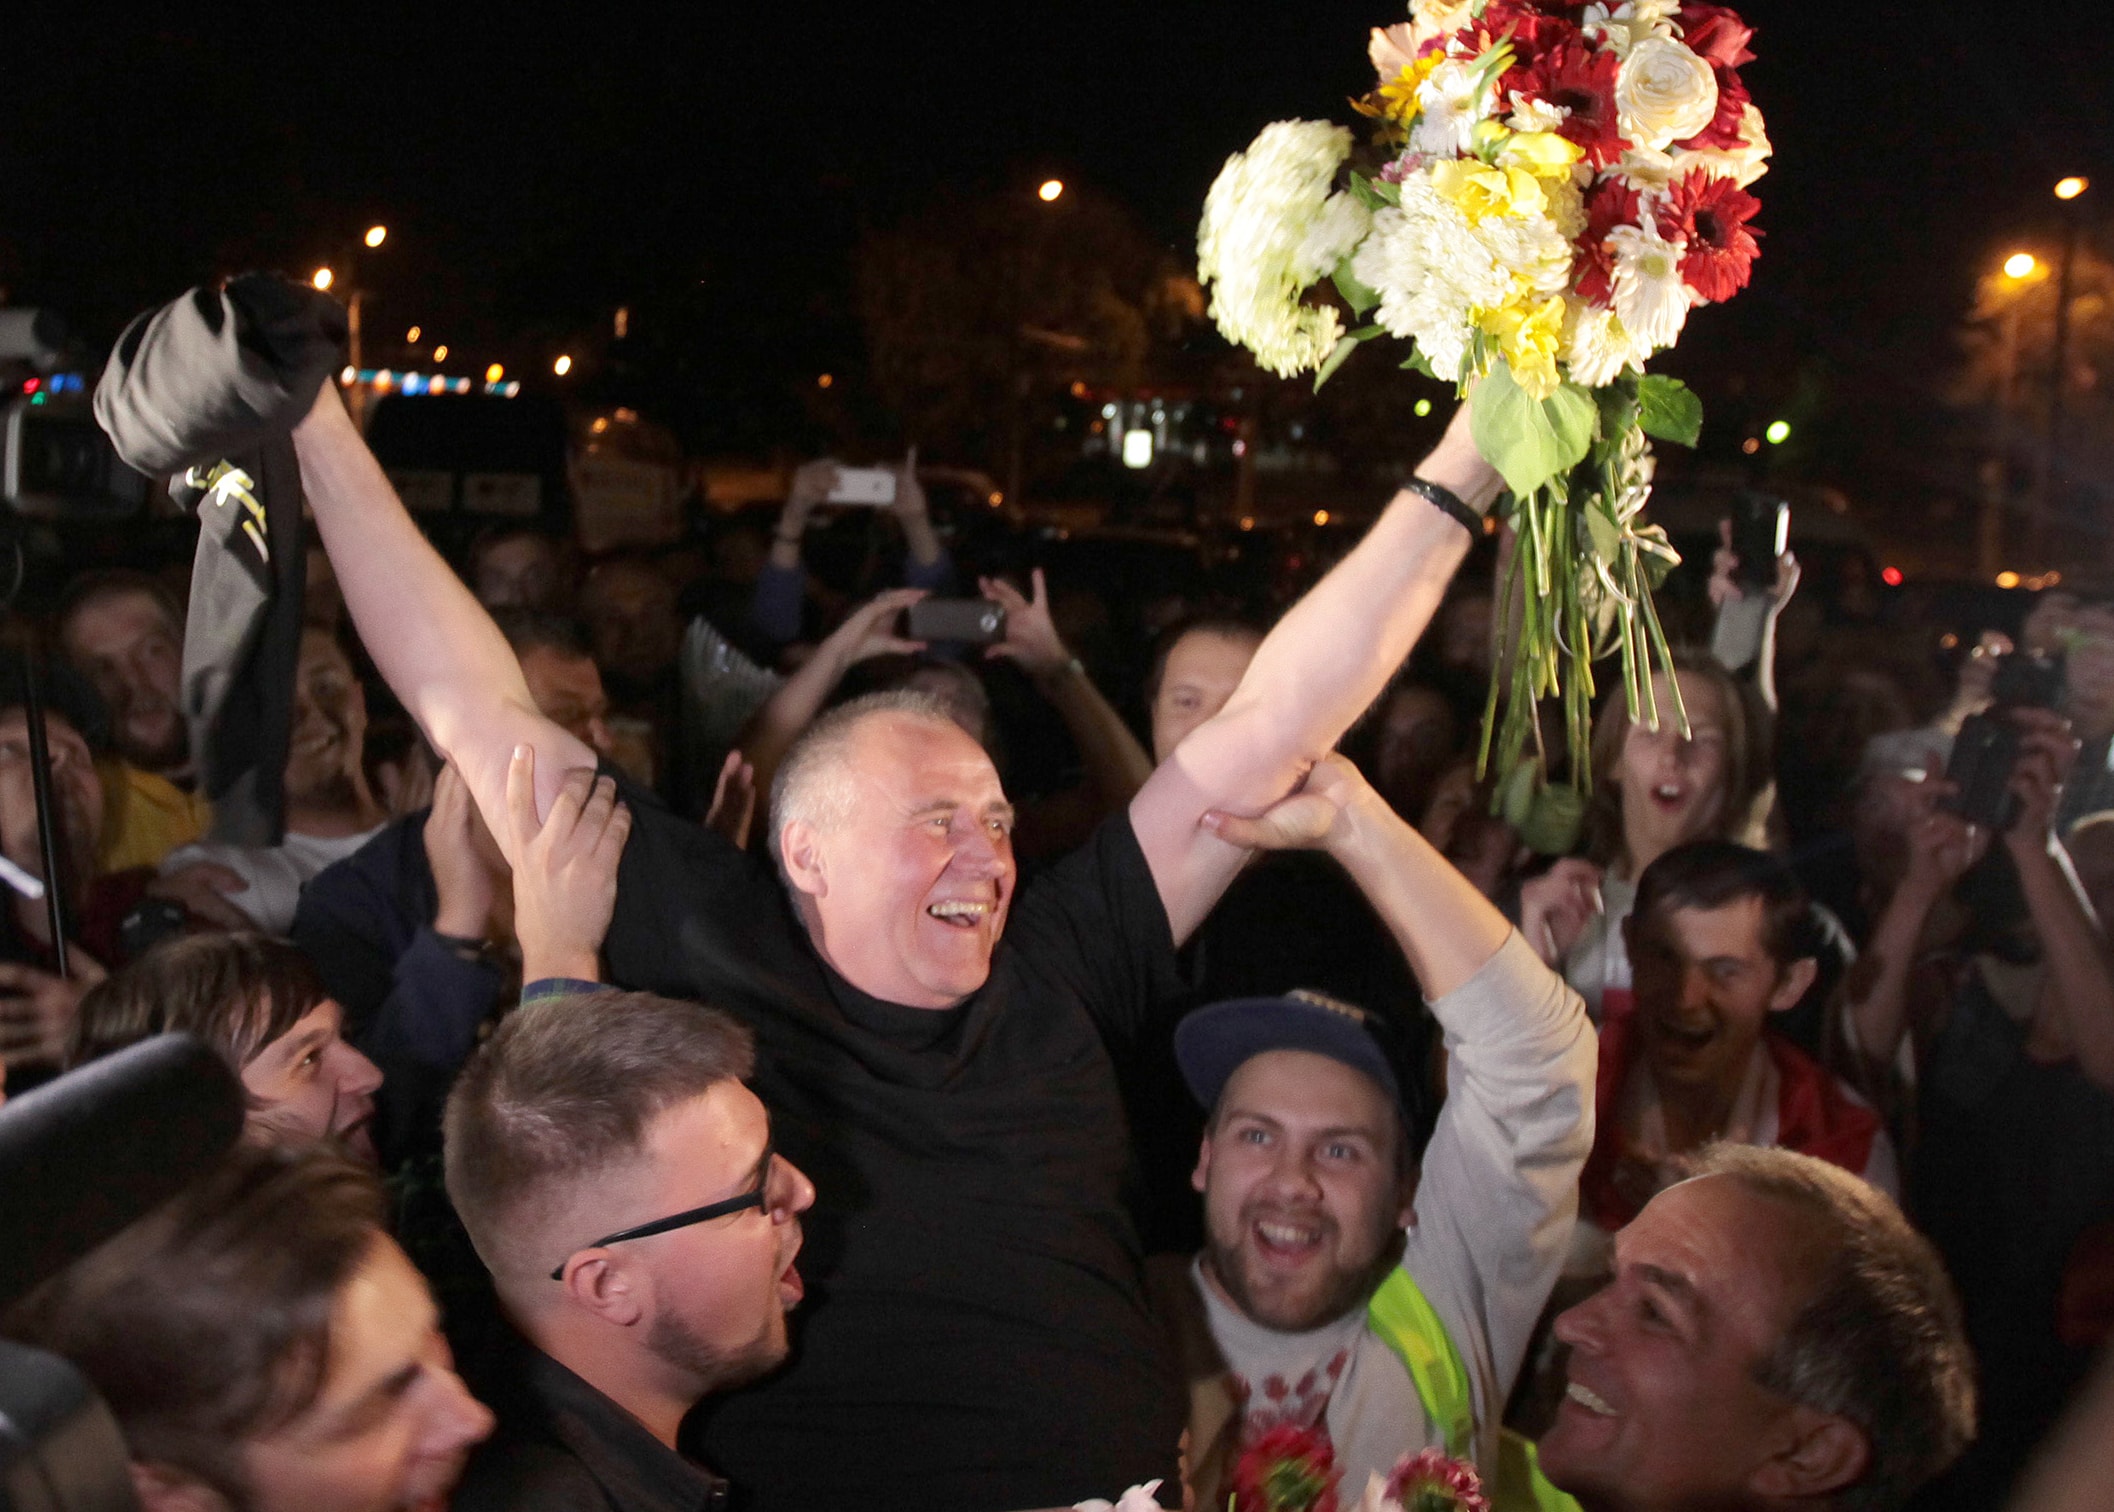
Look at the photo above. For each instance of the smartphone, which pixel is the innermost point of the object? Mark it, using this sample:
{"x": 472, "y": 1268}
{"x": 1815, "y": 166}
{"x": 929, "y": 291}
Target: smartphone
{"x": 2025, "y": 681}
{"x": 872, "y": 487}
{"x": 1761, "y": 532}
{"x": 970, "y": 621}
{"x": 1984, "y": 753}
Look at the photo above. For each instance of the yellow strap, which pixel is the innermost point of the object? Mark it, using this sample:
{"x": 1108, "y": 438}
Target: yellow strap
{"x": 1405, "y": 1320}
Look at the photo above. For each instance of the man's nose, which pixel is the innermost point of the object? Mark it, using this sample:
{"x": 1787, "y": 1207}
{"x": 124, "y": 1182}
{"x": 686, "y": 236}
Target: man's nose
{"x": 1695, "y": 989}
{"x": 1584, "y": 1327}
{"x": 357, "y": 1075}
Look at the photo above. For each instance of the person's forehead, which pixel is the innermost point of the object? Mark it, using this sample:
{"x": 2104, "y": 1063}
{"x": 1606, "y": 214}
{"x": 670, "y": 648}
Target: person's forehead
{"x": 321, "y": 653}
{"x": 111, "y": 620}
{"x": 1740, "y": 1256}
{"x": 548, "y": 668}
{"x": 1733, "y": 928}
{"x": 1206, "y": 655}
{"x": 915, "y": 759}
{"x": 381, "y": 1322}
{"x": 700, "y": 1145}
{"x": 1300, "y": 1088}
{"x": 516, "y": 553}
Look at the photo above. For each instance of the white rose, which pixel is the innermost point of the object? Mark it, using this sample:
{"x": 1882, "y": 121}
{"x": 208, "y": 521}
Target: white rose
{"x": 1664, "y": 93}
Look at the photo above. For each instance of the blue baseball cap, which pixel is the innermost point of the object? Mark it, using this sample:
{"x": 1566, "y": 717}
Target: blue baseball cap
{"x": 1212, "y": 1043}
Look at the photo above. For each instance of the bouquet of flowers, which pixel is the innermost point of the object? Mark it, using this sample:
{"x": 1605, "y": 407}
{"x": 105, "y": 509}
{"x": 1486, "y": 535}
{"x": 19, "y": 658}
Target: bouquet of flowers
{"x": 1554, "y": 186}
{"x": 1287, "y": 1469}
{"x": 1427, "y": 1482}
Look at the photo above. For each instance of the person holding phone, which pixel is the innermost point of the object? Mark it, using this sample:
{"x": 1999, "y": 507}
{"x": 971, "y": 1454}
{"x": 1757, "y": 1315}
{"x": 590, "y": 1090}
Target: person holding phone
{"x": 782, "y": 586}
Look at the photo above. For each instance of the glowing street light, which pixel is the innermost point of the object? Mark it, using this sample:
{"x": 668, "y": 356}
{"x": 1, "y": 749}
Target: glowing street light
{"x": 440, "y": 353}
{"x": 376, "y": 235}
{"x": 494, "y": 373}
{"x": 1050, "y": 190}
{"x": 2020, "y": 265}
{"x": 411, "y": 336}
{"x": 2071, "y": 187}
{"x": 323, "y": 278}
{"x": 561, "y": 367}
{"x": 1778, "y": 433}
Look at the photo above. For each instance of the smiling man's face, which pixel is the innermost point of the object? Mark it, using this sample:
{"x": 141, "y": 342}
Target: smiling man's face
{"x": 1705, "y": 987}
{"x": 1663, "y": 1409}
{"x": 907, "y": 895}
{"x": 1302, "y": 1188}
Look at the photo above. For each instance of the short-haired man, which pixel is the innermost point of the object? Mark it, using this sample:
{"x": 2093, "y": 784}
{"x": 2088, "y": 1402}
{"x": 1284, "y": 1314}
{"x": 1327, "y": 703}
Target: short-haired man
{"x": 946, "y": 1073}
{"x": 1776, "y": 1336}
{"x": 1720, "y": 938}
{"x": 620, "y": 1184}
{"x": 1341, "y": 1287}
{"x": 124, "y": 632}
{"x": 264, "y": 1344}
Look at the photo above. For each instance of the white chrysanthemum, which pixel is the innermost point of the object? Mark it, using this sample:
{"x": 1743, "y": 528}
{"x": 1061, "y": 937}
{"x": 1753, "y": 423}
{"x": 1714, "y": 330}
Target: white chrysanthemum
{"x": 1272, "y": 228}
{"x": 1650, "y": 298}
{"x": 1597, "y": 346}
{"x": 1742, "y": 164}
{"x": 1647, "y": 169}
{"x": 1621, "y": 27}
{"x": 1450, "y": 103}
{"x": 1434, "y": 271}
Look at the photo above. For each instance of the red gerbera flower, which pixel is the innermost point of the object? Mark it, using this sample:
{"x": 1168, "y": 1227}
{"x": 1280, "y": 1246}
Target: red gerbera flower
{"x": 1723, "y": 132}
{"x": 1715, "y": 33}
{"x": 1532, "y": 30}
{"x": 1712, "y": 213}
{"x": 1610, "y": 203}
{"x": 1433, "y": 1481}
{"x": 1582, "y": 80}
{"x": 1287, "y": 1469}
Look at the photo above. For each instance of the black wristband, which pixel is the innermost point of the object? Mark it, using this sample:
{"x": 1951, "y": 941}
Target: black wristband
{"x": 464, "y": 947}
{"x": 1448, "y": 501}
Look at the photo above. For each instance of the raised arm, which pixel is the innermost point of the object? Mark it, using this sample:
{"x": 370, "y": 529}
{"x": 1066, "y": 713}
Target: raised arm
{"x": 1323, "y": 664}
{"x": 435, "y": 645}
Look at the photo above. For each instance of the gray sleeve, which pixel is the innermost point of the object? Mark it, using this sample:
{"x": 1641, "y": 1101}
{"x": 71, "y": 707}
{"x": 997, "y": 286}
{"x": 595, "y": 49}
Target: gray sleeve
{"x": 1499, "y": 1191}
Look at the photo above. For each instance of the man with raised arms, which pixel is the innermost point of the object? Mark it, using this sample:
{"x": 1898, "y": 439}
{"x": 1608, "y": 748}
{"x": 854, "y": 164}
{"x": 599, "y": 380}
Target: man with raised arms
{"x": 936, "y": 1051}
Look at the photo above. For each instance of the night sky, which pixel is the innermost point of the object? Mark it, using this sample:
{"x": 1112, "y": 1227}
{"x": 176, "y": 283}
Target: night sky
{"x": 535, "y": 173}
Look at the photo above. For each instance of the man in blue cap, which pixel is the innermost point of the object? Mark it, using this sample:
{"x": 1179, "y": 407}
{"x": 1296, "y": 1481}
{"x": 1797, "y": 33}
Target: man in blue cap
{"x": 1347, "y": 1285}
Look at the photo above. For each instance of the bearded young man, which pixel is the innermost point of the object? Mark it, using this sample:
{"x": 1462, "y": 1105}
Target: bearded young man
{"x": 981, "y": 1338}
{"x": 1346, "y": 1286}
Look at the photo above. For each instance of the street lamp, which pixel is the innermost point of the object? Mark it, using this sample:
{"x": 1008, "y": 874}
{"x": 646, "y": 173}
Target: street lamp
{"x": 2020, "y": 265}
{"x": 1050, "y": 191}
{"x": 323, "y": 278}
{"x": 2071, "y": 187}
{"x": 562, "y": 366}
{"x": 2068, "y": 192}
{"x": 376, "y": 235}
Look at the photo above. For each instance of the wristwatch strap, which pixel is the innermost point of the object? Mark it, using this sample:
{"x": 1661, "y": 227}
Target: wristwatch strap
{"x": 1449, "y": 502}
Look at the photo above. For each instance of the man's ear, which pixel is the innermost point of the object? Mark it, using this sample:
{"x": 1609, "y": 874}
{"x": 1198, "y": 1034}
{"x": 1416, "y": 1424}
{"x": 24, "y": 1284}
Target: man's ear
{"x": 1200, "y": 1178}
{"x": 1406, "y": 1188}
{"x": 599, "y": 1282}
{"x": 164, "y": 1488}
{"x": 1818, "y": 1454}
{"x": 1792, "y": 982}
{"x": 801, "y": 847}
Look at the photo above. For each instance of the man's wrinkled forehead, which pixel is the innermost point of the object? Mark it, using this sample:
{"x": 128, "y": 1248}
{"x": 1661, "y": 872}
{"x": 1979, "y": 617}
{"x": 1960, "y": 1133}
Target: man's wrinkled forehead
{"x": 1735, "y": 1258}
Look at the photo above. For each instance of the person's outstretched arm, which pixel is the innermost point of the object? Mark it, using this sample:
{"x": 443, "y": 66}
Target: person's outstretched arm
{"x": 1315, "y": 673}
{"x": 2076, "y": 1009}
{"x": 1116, "y": 765}
{"x": 435, "y": 645}
{"x": 1498, "y": 1192}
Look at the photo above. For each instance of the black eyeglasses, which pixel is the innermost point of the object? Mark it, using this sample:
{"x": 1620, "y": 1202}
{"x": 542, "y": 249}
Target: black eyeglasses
{"x": 754, "y": 1198}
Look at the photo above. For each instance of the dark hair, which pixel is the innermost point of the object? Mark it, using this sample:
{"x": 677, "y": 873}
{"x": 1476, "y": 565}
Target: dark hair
{"x": 529, "y": 630}
{"x": 115, "y": 582}
{"x": 208, "y": 1322}
{"x": 1747, "y": 742}
{"x": 565, "y": 1087}
{"x": 1879, "y": 1340}
{"x": 1713, "y": 873}
{"x": 63, "y": 691}
{"x": 1230, "y": 626}
{"x": 237, "y": 991}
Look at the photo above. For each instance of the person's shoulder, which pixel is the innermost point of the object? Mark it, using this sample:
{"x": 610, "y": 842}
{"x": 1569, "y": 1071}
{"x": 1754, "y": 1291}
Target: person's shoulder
{"x": 520, "y": 1470}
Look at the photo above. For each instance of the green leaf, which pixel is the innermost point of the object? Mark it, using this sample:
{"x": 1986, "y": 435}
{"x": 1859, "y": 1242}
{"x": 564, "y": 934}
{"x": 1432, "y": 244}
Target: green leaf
{"x": 1339, "y": 354}
{"x": 1668, "y": 410}
{"x": 1417, "y": 362}
{"x": 1375, "y": 194}
{"x": 1515, "y": 799}
{"x": 1605, "y": 533}
{"x": 1355, "y": 294}
{"x": 1530, "y": 442}
{"x": 1618, "y": 406}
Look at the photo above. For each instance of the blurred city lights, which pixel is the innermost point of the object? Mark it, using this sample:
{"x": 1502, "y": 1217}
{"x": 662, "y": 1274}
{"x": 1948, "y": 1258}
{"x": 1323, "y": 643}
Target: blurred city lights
{"x": 323, "y": 278}
{"x": 1891, "y": 576}
{"x": 1247, "y": 522}
{"x": 411, "y": 336}
{"x": 440, "y": 353}
{"x": 1321, "y": 517}
{"x": 2007, "y": 580}
{"x": 825, "y": 380}
{"x": 2020, "y": 265}
{"x": 494, "y": 373}
{"x": 1778, "y": 433}
{"x": 1423, "y": 408}
{"x": 376, "y": 235}
{"x": 2071, "y": 187}
{"x": 1050, "y": 190}
{"x": 1137, "y": 448}
{"x": 349, "y": 374}
{"x": 562, "y": 366}
{"x": 1751, "y": 445}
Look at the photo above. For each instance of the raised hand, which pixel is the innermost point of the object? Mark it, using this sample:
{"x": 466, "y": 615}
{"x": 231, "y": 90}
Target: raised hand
{"x": 203, "y": 888}
{"x": 1555, "y": 907}
{"x": 733, "y": 801}
{"x": 867, "y": 631}
{"x": 1032, "y": 641}
{"x": 2047, "y": 751}
{"x": 565, "y": 868}
{"x": 37, "y": 1008}
{"x": 1310, "y": 818}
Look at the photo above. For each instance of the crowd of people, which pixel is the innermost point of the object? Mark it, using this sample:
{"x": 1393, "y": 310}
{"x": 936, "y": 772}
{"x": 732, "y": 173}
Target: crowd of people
{"x": 795, "y": 1065}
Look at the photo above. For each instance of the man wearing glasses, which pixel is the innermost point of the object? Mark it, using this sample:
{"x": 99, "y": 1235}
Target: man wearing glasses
{"x": 619, "y": 1182}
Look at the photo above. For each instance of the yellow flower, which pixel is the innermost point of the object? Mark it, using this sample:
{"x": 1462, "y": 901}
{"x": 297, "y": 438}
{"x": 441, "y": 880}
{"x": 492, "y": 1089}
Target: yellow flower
{"x": 1479, "y": 191}
{"x": 1398, "y": 97}
{"x": 1541, "y": 153}
{"x": 1529, "y": 336}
